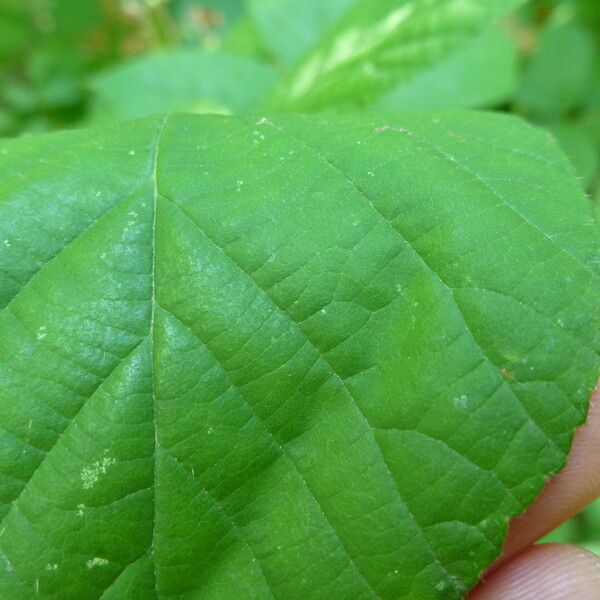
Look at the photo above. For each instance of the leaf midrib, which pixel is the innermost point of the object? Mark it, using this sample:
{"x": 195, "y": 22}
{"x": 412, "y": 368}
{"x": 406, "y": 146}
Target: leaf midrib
{"x": 155, "y": 193}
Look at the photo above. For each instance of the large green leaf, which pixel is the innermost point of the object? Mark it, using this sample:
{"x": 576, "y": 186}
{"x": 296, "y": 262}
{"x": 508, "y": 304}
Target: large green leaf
{"x": 182, "y": 79}
{"x": 285, "y": 357}
{"x": 377, "y": 45}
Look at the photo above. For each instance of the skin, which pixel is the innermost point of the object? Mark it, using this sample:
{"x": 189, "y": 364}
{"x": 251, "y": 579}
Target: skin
{"x": 552, "y": 571}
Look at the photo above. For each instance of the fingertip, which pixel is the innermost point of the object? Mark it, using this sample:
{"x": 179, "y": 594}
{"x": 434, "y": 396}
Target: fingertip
{"x": 567, "y": 493}
{"x": 548, "y": 572}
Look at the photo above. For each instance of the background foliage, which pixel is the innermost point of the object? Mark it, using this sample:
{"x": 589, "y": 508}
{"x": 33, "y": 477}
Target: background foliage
{"x": 67, "y": 63}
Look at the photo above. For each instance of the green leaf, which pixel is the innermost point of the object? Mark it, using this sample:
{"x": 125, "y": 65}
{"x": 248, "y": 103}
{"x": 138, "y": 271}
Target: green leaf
{"x": 182, "y": 79}
{"x": 559, "y": 73}
{"x": 482, "y": 74}
{"x": 64, "y": 21}
{"x": 591, "y": 517}
{"x": 580, "y": 147}
{"x": 292, "y": 27}
{"x": 14, "y": 29}
{"x": 378, "y": 45}
{"x": 285, "y": 357}
{"x": 583, "y": 530}
{"x": 230, "y": 10}
{"x": 244, "y": 38}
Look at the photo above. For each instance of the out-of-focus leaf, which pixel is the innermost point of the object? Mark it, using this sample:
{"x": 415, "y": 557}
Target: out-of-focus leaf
{"x": 245, "y": 38}
{"x": 567, "y": 533}
{"x": 205, "y": 22}
{"x": 15, "y": 28}
{"x": 376, "y": 46}
{"x": 7, "y": 121}
{"x": 589, "y": 12}
{"x": 20, "y": 97}
{"x": 62, "y": 41}
{"x": 71, "y": 17}
{"x": 229, "y": 10}
{"x": 180, "y": 80}
{"x": 559, "y": 72}
{"x": 56, "y": 74}
{"x": 592, "y": 546}
{"x": 483, "y": 74}
{"x": 291, "y": 27}
{"x": 582, "y": 530}
{"x": 581, "y": 149}
{"x": 591, "y": 122}
{"x": 592, "y": 515}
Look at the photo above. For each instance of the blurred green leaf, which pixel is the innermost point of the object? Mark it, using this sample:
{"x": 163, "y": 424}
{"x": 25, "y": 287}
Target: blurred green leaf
{"x": 377, "y": 46}
{"x": 482, "y": 74}
{"x": 206, "y": 22}
{"x": 7, "y": 120}
{"x": 592, "y": 515}
{"x": 589, "y": 12}
{"x": 230, "y": 10}
{"x": 62, "y": 40}
{"x": 291, "y": 27}
{"x": 14, "y": 28}
{"x": 245, "y": 38}
{"x": 559, "y": 73}
{"x": 181, "y": 79}
{"x": 583, "y": 529}
{"x": 567, "y": 533}
{"x": 72, "y": 17}
{"x": 577, "y": 143}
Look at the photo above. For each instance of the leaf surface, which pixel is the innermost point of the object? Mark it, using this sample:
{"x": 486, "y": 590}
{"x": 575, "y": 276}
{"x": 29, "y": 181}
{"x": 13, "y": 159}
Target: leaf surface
{"x": 285, "y": 357}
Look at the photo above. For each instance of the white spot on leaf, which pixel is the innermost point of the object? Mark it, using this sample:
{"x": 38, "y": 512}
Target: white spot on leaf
{"x": 461, "y": 402}
{"x": 90, "y": 475}
{"x": 97, "y": 561}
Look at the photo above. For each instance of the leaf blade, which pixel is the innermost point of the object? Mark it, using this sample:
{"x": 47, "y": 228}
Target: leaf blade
{"x": 289, "y": 396}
